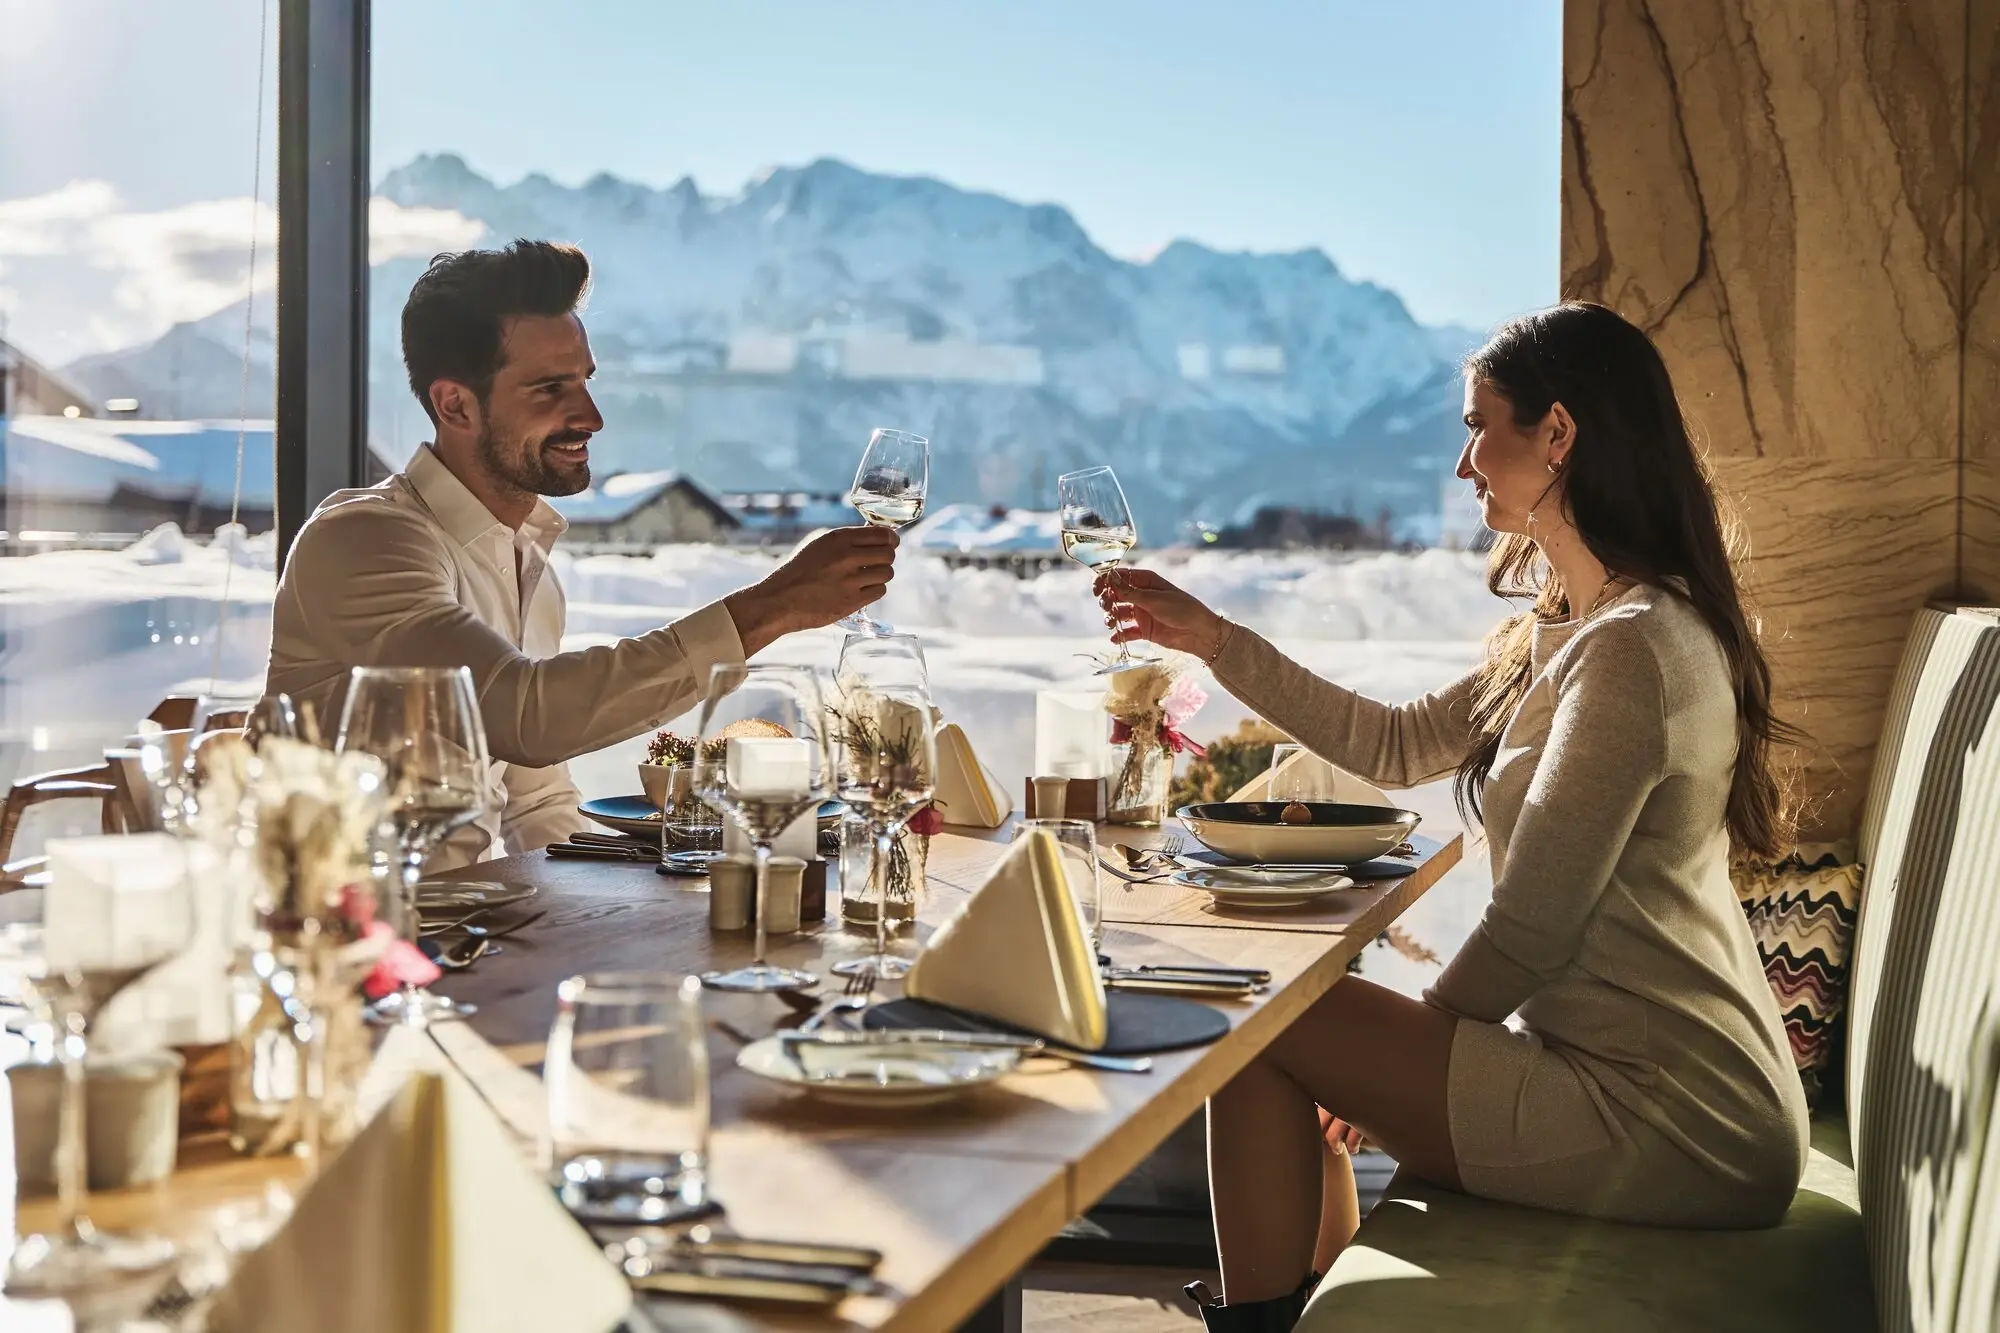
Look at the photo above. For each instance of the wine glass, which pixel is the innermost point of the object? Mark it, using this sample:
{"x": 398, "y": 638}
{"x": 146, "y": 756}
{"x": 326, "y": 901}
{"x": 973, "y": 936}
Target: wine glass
{"x": 884, "y": 659}
{"x": 888, "y": 491}
{"x": 423, "y": 723}
{"x": 762, "y": 761}
{"x": 117, "y": 907}
{"x": 1097, "y": 531}
{"x": 886, "y": 772}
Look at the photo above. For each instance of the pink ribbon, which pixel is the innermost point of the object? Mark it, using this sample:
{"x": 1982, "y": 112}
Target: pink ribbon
{"x": 1172, "y": 739}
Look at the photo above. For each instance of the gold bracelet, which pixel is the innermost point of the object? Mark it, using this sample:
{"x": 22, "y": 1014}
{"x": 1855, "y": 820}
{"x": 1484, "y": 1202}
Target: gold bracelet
{"x": 1221, "y": 640}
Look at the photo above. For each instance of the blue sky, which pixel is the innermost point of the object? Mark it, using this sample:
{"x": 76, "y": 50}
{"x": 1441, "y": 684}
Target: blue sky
{"x": 1415, "y": 141}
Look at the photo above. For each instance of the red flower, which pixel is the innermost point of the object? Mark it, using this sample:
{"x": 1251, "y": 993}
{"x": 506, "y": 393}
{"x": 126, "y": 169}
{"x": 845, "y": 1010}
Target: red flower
{"x": 927, "y": 822}
{"x": 401, "y": 963}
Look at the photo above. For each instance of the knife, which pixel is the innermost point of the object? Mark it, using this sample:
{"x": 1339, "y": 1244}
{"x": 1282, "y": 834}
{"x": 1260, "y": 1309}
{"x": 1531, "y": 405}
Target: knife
{"x": 1263, "y": 867}
{"x": 933, "y": 1036}
{"x": 593, "y": 852}
{"x": 1180, "y": 983}
{"x": 1258, "y": 974}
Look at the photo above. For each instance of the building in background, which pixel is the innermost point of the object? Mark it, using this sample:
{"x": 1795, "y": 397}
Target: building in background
{"x": 29, "y": 388}
{"x": 781, "y": 518}
{"x": 641, "y": 510}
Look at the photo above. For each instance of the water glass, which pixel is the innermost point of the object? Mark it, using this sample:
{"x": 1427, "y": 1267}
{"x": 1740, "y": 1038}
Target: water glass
{"x": 627, "y": 1078}
{"x": 1297, "y": 774}
{"x": 1077, "y": 840}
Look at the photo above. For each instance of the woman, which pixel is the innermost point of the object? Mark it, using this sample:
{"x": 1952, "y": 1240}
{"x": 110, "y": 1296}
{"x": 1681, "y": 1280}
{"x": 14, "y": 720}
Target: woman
{"x": 1615, "y": 742}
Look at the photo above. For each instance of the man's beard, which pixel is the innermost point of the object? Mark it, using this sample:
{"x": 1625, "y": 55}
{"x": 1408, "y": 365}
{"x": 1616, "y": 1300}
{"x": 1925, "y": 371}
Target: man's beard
{"x": 535, "y": 471}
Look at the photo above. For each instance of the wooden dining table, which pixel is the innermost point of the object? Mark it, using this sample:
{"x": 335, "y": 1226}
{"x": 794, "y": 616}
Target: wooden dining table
{"x": 958, "y": 1197}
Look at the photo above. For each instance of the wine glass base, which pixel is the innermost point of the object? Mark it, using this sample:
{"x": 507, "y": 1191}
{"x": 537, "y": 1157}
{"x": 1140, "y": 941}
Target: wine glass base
{"x": 760, "y": 978}
{"x": 103, "y": 1266}
{"x": 885, "y": 967}
{"x": 417, "y": 1008}
{"x": 1129, "y": 664}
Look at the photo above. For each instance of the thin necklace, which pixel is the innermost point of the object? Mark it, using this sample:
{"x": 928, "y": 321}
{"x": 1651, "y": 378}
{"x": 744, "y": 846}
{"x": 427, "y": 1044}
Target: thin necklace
{"x": 1598, "y": 601}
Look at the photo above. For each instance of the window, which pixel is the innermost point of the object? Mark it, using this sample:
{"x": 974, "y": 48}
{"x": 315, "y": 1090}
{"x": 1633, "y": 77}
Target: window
{"x": 1236, "y": 257}
{"x": 137, "y": 174}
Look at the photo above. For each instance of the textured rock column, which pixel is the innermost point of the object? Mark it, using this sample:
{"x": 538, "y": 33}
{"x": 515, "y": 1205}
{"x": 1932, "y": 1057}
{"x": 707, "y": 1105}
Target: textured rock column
{"x": 1980, "y": 516}
{"x": 1776, "y": 191}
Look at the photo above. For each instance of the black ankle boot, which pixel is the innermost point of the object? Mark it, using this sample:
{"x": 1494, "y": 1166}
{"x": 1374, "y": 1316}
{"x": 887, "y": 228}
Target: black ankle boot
{"x": 1276, "y": 1315}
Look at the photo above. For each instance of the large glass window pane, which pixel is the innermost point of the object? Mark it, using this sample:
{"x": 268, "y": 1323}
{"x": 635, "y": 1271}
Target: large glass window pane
{"x": 1233, "y": 252}
{"x": 137, "y": 262}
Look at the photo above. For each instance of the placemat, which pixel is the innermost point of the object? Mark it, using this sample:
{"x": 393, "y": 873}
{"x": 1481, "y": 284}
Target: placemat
{"x": 1381, "y": 868}
{"x": 1137, "y": 1024}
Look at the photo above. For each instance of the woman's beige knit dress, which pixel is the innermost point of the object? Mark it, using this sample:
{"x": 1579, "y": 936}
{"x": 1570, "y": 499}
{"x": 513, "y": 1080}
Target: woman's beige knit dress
{"x": 1618, "y": 1051}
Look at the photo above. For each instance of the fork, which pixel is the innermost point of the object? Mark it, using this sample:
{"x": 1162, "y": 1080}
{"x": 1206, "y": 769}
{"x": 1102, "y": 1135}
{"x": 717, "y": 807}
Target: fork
{"x": 1172, "y": 845}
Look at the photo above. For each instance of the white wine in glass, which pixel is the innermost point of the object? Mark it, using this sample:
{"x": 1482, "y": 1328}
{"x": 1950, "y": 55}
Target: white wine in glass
{"x": 1098, "y": 533}
{"x": 888, "y": 492}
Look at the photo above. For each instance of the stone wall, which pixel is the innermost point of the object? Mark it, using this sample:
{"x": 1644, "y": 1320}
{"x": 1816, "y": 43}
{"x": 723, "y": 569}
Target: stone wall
{"x": 1777, "y": 191}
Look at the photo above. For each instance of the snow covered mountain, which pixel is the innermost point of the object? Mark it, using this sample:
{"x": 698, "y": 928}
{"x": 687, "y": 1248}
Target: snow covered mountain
{"x": 754, "y": 339}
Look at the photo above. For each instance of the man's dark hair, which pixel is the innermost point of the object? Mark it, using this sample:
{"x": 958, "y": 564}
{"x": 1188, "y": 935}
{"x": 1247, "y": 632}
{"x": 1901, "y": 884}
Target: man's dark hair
{"x": 453, "y": 321}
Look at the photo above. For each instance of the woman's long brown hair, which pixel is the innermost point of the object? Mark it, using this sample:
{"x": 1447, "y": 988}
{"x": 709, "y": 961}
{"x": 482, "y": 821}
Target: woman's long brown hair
{"x": 1640, "y": 498}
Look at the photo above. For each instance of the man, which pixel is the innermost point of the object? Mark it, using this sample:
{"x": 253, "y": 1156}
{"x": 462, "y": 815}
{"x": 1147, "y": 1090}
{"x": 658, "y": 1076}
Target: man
{"x": 446, "y": 563}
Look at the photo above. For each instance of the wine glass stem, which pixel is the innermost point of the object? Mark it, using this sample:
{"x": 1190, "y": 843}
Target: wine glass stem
{"x": 1124, "y": 649}
{"x": 72, "y": 1163}
{"x": 763, "y": 855}
{"x": 885, "y": 853}
{"x": 410, "y": 927}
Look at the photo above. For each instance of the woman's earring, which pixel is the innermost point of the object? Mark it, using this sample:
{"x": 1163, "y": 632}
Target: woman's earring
{"x": 1552, "y": 467}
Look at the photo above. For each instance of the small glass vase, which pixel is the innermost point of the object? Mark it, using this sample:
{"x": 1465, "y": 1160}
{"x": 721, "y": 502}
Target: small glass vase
{"x": 294, "y": 1065}
{"x": 1140, "y": 777}
{"x": 860, "y": 894}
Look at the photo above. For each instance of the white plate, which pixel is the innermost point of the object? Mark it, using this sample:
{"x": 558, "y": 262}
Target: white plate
{"x": 436, "y": 894}
{"x": 1259, "y": 889}
{"x": 893, "y": 1074}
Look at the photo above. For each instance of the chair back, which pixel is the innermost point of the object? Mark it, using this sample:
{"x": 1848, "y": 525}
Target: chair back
{"x": 1924, "y": 1048}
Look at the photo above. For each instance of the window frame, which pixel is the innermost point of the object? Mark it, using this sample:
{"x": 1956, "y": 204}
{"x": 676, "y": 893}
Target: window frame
{"x": 322, "y": 300}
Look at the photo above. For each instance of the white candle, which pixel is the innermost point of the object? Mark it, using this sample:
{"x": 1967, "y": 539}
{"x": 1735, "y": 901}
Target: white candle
{"x": 768, "y": 766}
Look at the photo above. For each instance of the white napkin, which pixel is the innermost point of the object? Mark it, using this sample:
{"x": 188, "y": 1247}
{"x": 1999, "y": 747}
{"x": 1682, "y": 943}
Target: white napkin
{"x": 1329, "y": 780}
{"x": 430, "y": 1222}
{"x": 1017, "y": 951}
{"x": 967, "y": 792}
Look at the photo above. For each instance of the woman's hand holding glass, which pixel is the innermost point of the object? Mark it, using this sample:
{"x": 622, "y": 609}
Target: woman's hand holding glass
{"x": 1140, "y": 605}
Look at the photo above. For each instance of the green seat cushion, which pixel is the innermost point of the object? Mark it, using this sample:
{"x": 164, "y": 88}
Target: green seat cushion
{"x": 1428, "y": 1258}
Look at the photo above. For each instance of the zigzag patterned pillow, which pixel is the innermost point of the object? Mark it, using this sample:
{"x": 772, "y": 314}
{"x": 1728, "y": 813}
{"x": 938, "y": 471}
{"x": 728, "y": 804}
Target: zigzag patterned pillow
{"x": 1802, "y": 916}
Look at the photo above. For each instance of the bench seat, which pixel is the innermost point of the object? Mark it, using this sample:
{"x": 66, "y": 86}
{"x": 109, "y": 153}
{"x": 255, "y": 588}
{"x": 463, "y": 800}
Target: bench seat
{"x": 1429, "y": 1258}
{"x": 1912, "y": 1239}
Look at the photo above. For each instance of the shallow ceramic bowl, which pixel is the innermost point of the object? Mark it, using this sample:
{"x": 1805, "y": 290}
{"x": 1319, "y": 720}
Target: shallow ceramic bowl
{"x": 1338, "y": 834}
{"x": 658, "y": 784}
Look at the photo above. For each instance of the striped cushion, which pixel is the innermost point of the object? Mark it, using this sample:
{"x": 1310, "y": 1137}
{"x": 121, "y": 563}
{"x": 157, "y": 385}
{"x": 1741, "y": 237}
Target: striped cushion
{"x": 1927, "y": 1069}
{"x": 1802, "y": 916}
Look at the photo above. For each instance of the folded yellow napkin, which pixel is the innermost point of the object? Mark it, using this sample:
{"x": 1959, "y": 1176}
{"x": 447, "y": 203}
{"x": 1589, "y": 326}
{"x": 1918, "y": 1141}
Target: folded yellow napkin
{"x": 1329, "y": 782}
{"x": 431, "y": 1221}
{"x": 966, "y": 792}
{"x": 1017, "y": 951}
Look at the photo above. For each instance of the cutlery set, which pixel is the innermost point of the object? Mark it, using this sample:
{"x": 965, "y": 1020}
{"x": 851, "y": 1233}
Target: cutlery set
{"x": 700, "y": 1262}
